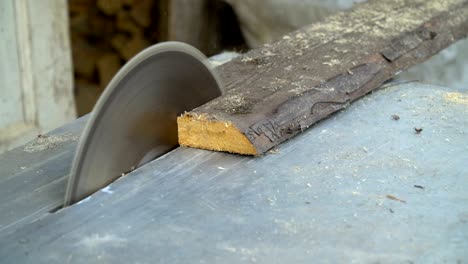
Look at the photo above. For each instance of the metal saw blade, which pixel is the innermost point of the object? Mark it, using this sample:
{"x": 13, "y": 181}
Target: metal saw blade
{"x": 134, "y": 120}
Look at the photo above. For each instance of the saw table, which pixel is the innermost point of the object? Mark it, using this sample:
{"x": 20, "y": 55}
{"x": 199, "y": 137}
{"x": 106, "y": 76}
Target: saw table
{"x": 383, "y": 181}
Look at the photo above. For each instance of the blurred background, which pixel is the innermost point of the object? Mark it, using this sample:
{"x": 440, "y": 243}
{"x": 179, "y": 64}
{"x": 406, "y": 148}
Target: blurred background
{"x": 58, "y": 56}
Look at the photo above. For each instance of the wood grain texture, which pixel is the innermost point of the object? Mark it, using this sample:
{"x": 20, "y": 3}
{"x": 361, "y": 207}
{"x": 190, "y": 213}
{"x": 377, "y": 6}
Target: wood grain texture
{"x": 279, "y": 90}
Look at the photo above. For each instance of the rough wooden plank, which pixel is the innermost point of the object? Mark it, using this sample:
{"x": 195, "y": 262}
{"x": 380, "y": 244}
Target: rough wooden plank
{"x": 279, "y": 90}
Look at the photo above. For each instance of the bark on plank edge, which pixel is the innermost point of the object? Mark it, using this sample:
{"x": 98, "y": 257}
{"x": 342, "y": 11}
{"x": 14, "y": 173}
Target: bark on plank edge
{"x": 279, "y": 90}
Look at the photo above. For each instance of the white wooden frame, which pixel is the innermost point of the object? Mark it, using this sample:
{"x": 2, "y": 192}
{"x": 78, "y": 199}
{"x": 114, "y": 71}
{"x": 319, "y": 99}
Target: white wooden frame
{"x": 36, "y": 90}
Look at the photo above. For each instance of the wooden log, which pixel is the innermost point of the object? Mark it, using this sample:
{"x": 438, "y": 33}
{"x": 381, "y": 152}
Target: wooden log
{"x": 109, "y": 7}
{"x": 125, "y": 23}
{"x": 92, "y": 23}
{"x": 141, "y": 12}
{"x": 84, "y": 56}
{"x": 279, "y": 90}
{"x": 107, "y": 66}
{"x": 129, "y": 46}
{"x": 86, "y": 95}
{"x": 79, "y": 6}
{"x": 118, "y": 42}
{"x": 136, "y": 44}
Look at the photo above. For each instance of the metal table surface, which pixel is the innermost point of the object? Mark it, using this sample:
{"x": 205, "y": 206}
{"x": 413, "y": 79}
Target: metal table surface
{"x": 357, "y": 187}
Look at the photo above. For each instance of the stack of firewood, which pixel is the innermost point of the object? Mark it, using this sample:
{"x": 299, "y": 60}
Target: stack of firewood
{"x": 107, "y": 33}
{"x": 104, "y": 35}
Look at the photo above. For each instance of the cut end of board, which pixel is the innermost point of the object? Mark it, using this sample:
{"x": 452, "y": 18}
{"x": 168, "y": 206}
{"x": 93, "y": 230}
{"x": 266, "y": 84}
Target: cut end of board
{"x": 197, "y": 131}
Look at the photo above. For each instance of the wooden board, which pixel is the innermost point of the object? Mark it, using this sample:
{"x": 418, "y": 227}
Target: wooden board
{"x": 279, "y": 90}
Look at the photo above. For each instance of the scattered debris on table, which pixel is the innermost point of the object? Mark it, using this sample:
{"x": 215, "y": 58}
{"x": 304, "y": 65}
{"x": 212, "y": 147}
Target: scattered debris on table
{"x": 44, "y": 142}
{"x": 392, "y": 197}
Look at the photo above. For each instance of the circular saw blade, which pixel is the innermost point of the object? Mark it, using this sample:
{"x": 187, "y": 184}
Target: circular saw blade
{"x": 134, "y": 120}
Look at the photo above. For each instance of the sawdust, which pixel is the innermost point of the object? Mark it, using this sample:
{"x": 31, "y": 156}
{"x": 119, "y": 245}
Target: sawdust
{"x": 235, "y": 103}
{"x": 394, "y": 198}
{"x": 366, "y": 25}
{"x": 96, "y": 240}
{"x": 381, "y": 19}
{"x": 247, "y": 254}
{"x": 274, "y": 151}
{"x": 457, "y": 98}
{"x": 44, "y": 142}
{"x": 332, "y": 62}
{"x": 287, "y": 226}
